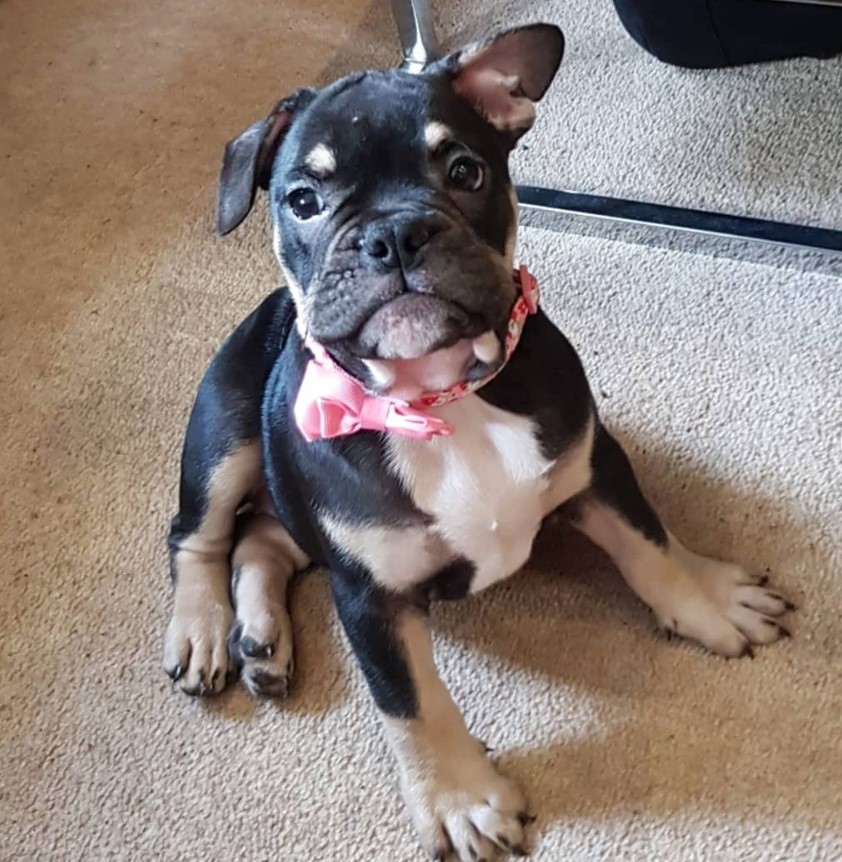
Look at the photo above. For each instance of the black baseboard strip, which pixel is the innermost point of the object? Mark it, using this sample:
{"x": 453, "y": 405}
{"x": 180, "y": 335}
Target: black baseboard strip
{"x": 755, "y": 240}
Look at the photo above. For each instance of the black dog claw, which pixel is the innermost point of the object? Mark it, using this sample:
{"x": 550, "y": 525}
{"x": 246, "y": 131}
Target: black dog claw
{"x": 251, "y": 648}
{"x": 503, "y": 842}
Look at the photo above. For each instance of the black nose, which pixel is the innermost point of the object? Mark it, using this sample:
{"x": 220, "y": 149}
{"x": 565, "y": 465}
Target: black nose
{"x": 397, "y": 242}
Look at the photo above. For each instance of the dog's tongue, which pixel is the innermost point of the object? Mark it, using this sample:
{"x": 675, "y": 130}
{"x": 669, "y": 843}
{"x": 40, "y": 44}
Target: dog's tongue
{"x": 407, "y": 379}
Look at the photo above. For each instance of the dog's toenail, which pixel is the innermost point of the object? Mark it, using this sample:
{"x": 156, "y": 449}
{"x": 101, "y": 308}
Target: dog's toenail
{"x": 251, "y": 647}
{"x": 785, "y": 632}
{"x": 747, "y": 651}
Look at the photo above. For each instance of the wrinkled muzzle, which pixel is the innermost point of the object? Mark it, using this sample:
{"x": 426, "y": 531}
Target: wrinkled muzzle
{"x": 403, "y": 286}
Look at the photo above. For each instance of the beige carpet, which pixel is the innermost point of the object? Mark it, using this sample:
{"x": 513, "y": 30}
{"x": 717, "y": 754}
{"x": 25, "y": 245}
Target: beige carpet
{"x": 724, "y": 379}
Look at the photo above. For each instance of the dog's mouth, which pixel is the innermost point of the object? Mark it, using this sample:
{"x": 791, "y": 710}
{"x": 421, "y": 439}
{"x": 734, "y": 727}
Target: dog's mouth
{"x": 407, "y": 379}
{"x": 420, "y": 343}
{"x": 413, "y": 326}
{"x": 410, "y": 333}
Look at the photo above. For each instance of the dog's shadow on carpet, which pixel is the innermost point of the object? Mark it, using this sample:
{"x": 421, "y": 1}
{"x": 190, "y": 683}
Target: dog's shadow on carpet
{"x": 666, "y": 725}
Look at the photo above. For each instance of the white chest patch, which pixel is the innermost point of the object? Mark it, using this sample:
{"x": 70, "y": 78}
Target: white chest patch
{"x": 486, "y": 485}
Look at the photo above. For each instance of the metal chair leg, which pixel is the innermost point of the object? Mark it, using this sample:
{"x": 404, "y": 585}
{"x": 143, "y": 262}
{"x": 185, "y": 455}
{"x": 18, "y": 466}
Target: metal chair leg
{"x": 416, "y": 33}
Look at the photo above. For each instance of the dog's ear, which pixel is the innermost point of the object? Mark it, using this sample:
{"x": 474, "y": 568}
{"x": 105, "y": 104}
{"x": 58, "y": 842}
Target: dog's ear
{"x": 248, "y": 160}
{"x": 502, "y": 77}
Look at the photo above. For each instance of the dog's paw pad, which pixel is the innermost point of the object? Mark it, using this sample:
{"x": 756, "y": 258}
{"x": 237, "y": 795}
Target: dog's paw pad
{"x": 266, "y": 683}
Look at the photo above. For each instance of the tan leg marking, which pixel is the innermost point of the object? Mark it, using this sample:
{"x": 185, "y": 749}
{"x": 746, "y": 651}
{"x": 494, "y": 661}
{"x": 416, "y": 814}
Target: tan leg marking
{"x": 397, "y": 557}
{"x": 571, "y": 474}
{"x": 196, "y": 641}
{"x": 457, "y": 799}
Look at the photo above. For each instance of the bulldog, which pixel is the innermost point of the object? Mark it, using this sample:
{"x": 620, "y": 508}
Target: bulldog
{"x": 403, "y": 415}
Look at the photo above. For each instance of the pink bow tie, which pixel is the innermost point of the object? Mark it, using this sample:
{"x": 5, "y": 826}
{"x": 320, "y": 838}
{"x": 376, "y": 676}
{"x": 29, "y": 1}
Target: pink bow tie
{"x": 332, "y": 403}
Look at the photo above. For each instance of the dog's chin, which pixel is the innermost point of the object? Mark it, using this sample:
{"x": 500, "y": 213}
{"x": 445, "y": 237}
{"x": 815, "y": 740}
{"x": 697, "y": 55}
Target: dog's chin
{"x": 413, "y": 326}
{"x": 407, "y": 379}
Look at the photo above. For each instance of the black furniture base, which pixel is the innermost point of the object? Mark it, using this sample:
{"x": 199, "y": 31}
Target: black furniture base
{"x": 706, "y": 34}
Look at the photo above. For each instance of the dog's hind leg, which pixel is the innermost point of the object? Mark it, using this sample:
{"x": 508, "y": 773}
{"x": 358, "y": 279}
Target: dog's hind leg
{"x": 718, "y": 604}
{"x": 265, "y": 558}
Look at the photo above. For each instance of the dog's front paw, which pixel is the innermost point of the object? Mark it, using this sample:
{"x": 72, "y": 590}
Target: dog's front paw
{"x": 196, "y": 645}
{"x": 722, "y": 606}
{"x": 465, "y": 810}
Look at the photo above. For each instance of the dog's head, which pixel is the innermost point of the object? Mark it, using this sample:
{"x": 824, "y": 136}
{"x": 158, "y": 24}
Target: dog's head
{"x": 393, "y": 210}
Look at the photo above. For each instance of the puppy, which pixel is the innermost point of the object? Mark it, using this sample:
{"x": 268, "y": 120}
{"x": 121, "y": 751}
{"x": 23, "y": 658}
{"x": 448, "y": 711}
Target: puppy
{"x": 405, "y": 416}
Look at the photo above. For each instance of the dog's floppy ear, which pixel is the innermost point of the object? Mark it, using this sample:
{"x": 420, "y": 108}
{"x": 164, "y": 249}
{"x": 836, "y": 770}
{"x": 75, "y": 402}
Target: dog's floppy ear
{"x": 248, "y": 160}
{"x": 502, "y": 77}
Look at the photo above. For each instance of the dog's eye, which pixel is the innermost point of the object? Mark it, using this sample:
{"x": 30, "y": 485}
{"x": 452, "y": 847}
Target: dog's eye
{"x": 304, "y": 203}
{"x": 466, "y": 173}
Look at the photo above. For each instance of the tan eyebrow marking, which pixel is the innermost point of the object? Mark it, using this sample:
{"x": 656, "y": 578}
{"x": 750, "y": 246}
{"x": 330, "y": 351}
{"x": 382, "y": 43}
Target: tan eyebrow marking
{"x": 321, "y": 160}
{"x": 435, "y": 134}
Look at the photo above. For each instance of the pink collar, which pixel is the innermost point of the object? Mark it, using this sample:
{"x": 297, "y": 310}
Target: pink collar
{"x": 332, "y": 403}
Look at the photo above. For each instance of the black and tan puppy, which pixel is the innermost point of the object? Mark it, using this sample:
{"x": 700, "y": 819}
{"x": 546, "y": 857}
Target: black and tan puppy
{"x": 394, "y": 224}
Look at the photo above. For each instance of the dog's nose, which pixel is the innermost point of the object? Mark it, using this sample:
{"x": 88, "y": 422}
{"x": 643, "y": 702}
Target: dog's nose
{"x": 393, "y": 244}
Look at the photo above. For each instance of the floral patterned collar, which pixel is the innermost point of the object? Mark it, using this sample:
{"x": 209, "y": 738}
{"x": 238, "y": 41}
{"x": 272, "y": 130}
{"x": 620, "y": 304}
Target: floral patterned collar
{"x": 332, "y": 403}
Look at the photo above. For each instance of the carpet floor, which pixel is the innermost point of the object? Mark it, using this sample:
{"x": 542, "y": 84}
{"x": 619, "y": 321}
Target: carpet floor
{"x": 722, "y": 378}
